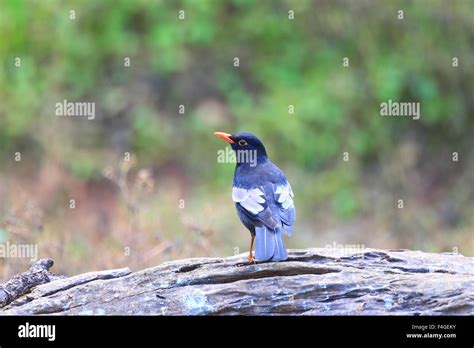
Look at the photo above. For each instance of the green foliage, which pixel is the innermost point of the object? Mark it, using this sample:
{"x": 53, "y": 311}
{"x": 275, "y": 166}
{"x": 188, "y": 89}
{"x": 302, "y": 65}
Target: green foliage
{"x": 3, "y": 235}
{"x": 282, "y": 62}
{"x": 146, "y": 131}
{"x": 85, "y": 166}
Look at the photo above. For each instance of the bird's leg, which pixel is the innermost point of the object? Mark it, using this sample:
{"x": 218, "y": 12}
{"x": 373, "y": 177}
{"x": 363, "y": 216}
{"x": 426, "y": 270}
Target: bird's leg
{"x": 251, "y": 258}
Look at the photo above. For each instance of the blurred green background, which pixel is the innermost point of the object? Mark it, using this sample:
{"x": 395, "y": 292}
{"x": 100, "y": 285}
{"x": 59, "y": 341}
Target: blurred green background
{"x": 173, "y": 200}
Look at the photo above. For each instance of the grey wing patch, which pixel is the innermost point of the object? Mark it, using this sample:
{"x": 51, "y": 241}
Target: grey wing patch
{"x": 284, "y": 198}
{"x": 285, "y": 195}
{"x": 252, "y": 200}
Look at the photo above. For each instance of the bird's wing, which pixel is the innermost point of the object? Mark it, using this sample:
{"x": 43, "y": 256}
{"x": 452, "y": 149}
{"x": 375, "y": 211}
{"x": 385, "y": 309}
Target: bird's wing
{"x": 284, "y": 199}
{"x": 253, "y": 203}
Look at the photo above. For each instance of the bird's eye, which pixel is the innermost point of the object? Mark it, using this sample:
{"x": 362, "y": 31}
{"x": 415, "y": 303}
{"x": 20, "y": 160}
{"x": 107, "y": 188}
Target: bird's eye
{"x": 242, "y": 142}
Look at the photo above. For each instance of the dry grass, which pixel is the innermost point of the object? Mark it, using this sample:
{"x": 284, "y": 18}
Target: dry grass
{"x": 133, "y": 218}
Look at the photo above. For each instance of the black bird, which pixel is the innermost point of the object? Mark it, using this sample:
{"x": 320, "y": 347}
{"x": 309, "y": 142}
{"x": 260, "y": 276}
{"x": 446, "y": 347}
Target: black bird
{"x": 262, "y": 196}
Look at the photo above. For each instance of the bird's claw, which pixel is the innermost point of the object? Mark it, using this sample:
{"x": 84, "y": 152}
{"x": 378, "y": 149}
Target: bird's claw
{"x": 251, "y": 259}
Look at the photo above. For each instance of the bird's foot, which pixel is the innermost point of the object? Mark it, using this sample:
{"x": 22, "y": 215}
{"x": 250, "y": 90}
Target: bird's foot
{"x": 251, "y": 259}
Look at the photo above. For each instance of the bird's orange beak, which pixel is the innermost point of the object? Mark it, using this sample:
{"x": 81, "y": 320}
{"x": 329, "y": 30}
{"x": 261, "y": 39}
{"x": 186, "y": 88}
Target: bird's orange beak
{"x": 224, "y": 136}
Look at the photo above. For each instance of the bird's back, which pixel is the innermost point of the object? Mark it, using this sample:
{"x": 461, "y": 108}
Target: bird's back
{"x": 247, "y": 176}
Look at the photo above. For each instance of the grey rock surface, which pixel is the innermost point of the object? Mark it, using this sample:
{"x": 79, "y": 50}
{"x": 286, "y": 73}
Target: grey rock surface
{"x": 310, "y": 282}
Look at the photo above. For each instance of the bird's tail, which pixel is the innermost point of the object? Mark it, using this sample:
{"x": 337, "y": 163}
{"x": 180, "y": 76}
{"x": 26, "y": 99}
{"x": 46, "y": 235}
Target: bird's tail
{"x": 269, "y": 245}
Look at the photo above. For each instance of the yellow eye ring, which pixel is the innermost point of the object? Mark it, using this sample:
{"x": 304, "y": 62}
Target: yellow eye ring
{"x": 242, "y": 142}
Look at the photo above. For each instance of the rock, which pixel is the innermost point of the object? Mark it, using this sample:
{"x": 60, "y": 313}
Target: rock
{"x": 310, "y": 282}
{"x": 23, "y": 282}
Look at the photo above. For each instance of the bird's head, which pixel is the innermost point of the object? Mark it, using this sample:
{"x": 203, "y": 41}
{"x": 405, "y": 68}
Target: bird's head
{"x": 245, "y": 144}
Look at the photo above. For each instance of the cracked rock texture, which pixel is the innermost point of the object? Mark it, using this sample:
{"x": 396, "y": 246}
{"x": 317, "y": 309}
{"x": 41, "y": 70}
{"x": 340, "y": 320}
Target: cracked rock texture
{"x": 310, "y": 282}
